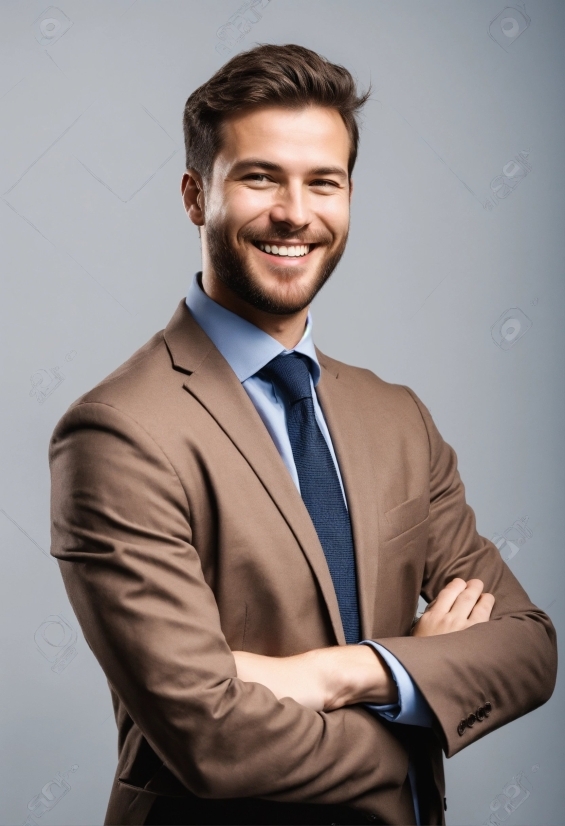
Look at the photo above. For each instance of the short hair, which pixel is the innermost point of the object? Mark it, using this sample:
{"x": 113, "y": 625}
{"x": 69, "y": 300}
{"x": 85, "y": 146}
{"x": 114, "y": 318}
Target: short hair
{"x": 290, "y": 76}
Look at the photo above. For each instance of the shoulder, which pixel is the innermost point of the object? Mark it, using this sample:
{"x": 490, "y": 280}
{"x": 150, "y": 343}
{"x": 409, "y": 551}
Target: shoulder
{"x": 135, "y": 394}
{"x": 136, "y": 377}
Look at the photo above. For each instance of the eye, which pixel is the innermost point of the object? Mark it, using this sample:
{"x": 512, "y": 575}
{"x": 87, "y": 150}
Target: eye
{"x": 322, "y": 181}
{"x": 255, "y": 175}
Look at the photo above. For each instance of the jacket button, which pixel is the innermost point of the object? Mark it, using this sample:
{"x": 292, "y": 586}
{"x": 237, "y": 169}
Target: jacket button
{"x": 461, "y": 727}
{"x": 471, "y": 720}
{"x": 372, "y": 818}
{"x": 480, "y": 713}
{"x": 488, "y": 708}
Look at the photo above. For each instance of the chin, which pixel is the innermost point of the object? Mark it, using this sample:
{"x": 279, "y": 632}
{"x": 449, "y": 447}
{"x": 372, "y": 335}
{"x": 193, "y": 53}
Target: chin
{"x": 285, "y": 303}
{"x": 287, "y": 285}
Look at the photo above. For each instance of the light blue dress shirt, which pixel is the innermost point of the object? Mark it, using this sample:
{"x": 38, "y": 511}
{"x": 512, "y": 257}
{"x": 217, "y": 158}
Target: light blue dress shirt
{"x": 247, "y": 349}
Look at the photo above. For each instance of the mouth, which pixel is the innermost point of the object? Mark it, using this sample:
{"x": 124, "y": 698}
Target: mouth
{"x": 284, "y": 249}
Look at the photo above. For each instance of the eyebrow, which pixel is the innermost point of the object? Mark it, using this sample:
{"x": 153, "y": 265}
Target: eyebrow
{"x": 248, "y": 163}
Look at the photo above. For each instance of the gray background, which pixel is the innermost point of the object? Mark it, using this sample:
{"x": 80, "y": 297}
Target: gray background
{"x": 452, "y": 283}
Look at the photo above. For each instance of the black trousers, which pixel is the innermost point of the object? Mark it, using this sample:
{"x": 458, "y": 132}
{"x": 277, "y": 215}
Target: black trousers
{"x": 174, "y": 811}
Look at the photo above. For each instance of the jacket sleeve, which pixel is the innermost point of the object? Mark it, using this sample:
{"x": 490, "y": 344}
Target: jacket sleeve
{"x": 485, "y": 676}
{"x": 121, "y": 532}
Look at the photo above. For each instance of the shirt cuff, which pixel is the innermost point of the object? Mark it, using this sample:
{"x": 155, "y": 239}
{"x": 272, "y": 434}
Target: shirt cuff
{"x": 411, "y": 708}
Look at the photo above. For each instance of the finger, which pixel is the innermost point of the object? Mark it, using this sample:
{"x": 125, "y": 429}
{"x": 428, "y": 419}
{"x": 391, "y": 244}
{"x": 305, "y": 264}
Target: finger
{"x": 467, "y": 598}
{"x": 447, "y": 596}
{"x": 483, "y": 608}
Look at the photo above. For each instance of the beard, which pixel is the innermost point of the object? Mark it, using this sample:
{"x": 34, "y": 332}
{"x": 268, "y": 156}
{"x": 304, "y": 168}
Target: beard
{"x": 233, "y": 271}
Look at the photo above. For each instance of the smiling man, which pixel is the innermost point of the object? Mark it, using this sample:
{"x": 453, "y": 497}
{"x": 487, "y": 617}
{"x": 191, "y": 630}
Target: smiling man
{"x": 244, "y": 524}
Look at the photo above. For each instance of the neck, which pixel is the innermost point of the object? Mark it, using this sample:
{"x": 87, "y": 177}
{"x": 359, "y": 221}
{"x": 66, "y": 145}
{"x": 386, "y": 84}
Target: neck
{"x": 288, "y": 329}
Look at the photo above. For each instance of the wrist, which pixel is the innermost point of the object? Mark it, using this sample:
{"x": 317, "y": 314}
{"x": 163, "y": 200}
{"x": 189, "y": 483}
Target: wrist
{"x": 374, "y": 680}
{"x": 356, "y": 674}
{"x": 387, "y": 692}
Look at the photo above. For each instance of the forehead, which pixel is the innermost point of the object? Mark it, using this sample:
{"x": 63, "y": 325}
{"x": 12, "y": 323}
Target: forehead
{"x": 291, "y": 136}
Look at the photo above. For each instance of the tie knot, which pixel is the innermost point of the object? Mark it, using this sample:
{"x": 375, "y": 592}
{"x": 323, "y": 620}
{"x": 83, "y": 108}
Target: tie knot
{"x": 290, "y": 372}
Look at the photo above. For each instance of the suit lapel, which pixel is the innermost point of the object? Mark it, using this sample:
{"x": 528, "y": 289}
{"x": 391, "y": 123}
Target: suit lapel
{"x": 355, "y": 459}
{"x": 213, "y": 383}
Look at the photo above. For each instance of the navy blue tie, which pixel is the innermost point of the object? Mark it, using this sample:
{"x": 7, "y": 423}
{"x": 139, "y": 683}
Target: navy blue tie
{"x": 319, "y": 483}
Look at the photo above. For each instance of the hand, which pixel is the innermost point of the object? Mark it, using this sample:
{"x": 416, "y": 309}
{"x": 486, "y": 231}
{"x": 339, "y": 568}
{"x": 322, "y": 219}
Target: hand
{"x": 323, "y": 679}
{"x": 457, "y": 606}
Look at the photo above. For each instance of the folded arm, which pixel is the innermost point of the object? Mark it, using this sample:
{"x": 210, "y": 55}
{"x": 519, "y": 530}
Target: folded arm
{"x": 509, "y": 661}
{"x": 323, "y": 679}
{"x": 330, "y": 678}
{"x": 481, "y": 640}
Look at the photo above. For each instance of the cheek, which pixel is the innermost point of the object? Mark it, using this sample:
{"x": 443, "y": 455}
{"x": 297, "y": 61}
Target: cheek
{"x": 336, "y": 215}
{"x": 244, "y": 205}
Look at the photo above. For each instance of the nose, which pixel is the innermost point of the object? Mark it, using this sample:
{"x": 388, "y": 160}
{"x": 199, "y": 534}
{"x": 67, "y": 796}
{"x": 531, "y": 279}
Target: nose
{"x": 291, "y": 206}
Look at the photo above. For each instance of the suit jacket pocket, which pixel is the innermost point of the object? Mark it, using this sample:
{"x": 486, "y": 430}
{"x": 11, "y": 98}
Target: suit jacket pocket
{"x": 405, "y": 516}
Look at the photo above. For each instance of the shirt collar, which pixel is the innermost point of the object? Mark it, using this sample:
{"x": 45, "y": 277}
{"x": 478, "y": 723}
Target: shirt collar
{"x": 244, "y": 346}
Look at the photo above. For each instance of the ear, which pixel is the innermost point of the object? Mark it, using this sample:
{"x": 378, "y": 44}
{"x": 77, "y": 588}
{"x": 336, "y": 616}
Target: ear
{"x": 192, "y": 191}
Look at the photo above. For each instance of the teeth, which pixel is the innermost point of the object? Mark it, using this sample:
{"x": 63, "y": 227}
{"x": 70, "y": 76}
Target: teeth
{"x": 290, "y": 252}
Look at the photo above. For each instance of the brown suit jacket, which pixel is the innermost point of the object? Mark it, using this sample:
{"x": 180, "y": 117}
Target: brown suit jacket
{"x": 181, "y": 536}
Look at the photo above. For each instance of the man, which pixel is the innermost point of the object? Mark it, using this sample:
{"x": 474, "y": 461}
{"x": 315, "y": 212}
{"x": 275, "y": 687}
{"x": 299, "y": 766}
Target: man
{"x": 234, "y": 512}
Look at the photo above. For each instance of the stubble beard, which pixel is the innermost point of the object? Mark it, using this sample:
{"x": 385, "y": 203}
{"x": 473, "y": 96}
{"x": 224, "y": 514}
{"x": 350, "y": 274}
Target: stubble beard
{"x": 231, "y": 269}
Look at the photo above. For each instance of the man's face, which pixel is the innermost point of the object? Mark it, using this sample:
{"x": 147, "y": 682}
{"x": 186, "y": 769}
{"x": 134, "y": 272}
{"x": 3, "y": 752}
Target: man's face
{"x": 280, "y": 180}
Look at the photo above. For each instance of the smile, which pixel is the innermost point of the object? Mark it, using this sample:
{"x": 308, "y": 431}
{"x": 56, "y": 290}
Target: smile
{"x": 286, "y": 251}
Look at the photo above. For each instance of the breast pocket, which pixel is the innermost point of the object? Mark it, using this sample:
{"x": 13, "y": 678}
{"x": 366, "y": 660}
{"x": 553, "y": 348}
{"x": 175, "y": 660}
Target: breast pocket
{"x": 405, "y": 516}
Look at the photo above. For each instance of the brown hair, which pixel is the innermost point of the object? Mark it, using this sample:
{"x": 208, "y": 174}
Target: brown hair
{"x": 289, "y": 75}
